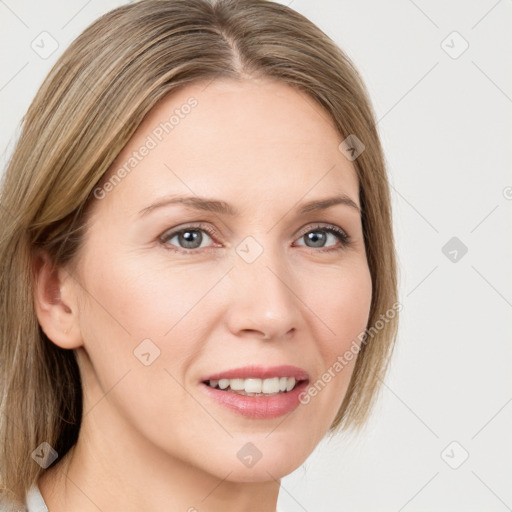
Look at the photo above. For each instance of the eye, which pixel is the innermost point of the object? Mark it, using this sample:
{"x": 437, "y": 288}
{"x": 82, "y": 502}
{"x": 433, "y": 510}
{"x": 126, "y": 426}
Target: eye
{"x": 317, "y": 236}
{"x": 190, "y": 237}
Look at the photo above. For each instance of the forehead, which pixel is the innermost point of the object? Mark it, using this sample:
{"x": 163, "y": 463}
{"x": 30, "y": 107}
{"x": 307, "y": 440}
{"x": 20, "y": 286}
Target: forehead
{"x": 250, "y": 138}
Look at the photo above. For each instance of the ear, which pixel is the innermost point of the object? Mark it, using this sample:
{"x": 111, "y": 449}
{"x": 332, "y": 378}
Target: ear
{"x": 55, "y": 302}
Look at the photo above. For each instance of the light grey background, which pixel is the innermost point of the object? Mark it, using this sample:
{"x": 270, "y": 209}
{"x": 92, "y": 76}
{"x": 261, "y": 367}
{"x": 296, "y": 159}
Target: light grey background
{"x": 446, "y": 125}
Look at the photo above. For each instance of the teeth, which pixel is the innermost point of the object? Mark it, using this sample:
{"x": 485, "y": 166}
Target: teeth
{"x": 253, "y": 386}
{"x": 270, "y": 386}
{"x": 236, "y": 384}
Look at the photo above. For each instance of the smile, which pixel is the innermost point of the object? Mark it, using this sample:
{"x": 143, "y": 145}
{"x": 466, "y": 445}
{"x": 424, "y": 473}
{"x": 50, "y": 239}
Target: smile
{"x": 255, "y": 387}
{"x": 257, "y": 392}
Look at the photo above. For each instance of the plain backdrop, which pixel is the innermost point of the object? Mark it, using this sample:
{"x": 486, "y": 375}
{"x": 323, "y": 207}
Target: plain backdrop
{"x": 441, "y": 85}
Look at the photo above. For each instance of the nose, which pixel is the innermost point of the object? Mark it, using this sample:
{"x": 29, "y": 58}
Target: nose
{"x": 263, "y": 299}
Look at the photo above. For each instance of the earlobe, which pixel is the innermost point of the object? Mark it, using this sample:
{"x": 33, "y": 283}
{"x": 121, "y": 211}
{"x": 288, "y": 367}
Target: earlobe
{"x": 55, "y": 303}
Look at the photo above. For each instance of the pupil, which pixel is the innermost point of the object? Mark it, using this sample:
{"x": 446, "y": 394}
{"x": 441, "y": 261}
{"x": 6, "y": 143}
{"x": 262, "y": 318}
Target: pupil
{"x": 189, "y": 238}
{"x": 317, "y": 240}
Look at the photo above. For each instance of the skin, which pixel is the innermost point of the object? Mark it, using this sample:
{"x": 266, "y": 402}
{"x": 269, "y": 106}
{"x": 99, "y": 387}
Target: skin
{"x": 150, "y": 437}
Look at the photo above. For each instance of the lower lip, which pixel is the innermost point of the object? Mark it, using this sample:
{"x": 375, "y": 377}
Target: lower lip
{"x": 258, "y": 407}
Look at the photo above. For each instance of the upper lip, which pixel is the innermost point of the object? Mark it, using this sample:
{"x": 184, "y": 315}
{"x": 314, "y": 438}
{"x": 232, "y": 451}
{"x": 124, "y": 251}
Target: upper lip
{"x": 260, "y": 372}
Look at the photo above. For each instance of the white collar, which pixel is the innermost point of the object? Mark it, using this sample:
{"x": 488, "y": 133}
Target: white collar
{"x": 34, "y": 500}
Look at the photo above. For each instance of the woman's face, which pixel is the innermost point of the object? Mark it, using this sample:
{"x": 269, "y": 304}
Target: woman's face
{"x": 251, "y": 281}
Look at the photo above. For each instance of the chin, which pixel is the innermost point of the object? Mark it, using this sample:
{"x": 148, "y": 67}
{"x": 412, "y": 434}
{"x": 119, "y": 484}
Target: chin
{"x": 258, "y": 459}
{"x": 262, "y": 471}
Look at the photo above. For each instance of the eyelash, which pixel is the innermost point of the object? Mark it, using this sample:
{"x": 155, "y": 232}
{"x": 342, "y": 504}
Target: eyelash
{"x": 344, "y": 239}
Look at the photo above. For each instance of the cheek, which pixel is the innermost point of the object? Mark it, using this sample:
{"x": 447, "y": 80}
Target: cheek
{"x": 143, "y": 327}
{"x": 149, "y": 319}
{"x": 147, "y": 297}
{"x": 341, "y": 303}
{"x": 341, "y": 300}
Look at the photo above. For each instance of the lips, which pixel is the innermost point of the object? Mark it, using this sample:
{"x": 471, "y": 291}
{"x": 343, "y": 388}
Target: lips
{"x": 255, "y": 405}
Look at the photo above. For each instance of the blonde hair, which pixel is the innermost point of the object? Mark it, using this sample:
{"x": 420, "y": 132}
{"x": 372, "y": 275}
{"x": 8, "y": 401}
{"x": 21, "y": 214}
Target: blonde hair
{"x": 85, "y": 112}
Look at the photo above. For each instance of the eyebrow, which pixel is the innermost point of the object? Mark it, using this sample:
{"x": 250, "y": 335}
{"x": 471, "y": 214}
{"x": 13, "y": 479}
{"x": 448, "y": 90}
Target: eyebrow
{"x": 217, "y": 206}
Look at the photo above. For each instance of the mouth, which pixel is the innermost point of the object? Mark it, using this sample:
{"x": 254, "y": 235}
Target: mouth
{"x": 256, "y": 398}
{"x": 258, "y": 380}
{"x": 256, "y": 387}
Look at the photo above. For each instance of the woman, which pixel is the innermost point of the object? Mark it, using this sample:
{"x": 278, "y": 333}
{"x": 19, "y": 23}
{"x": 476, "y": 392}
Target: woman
{"x": 198, "y": 277}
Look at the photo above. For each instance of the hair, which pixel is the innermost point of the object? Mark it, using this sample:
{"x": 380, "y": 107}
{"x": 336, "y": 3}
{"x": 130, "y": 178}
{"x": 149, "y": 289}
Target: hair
{"x": 85, "y": 112}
